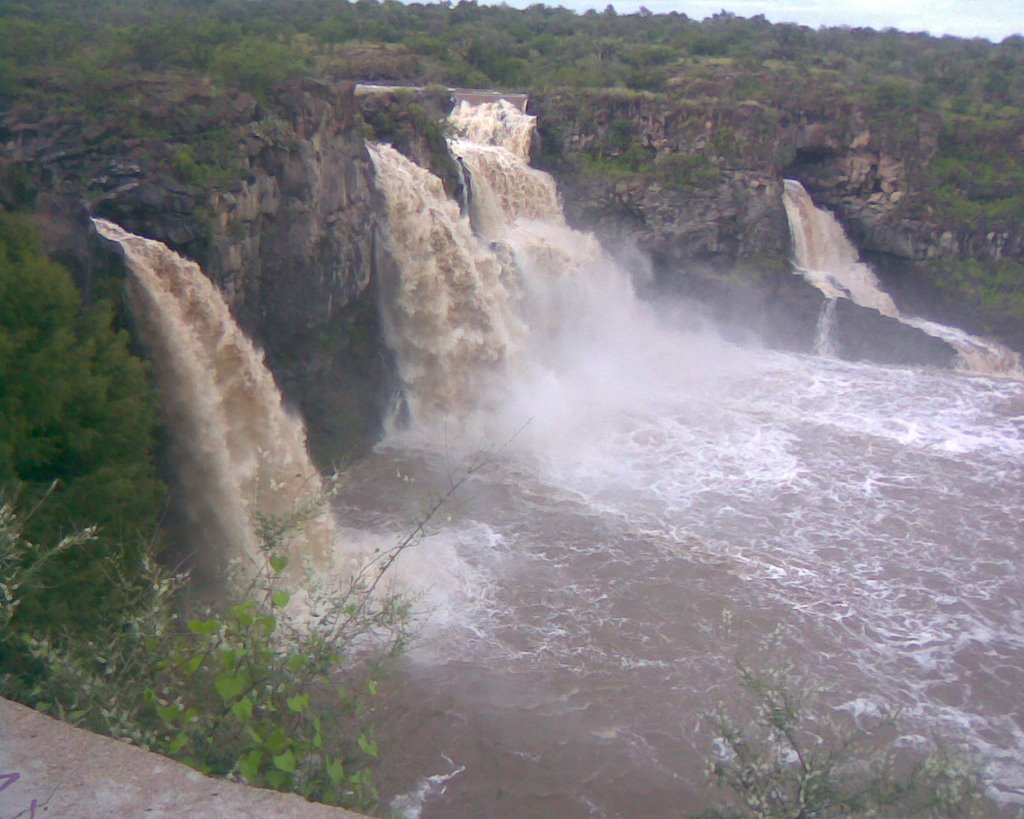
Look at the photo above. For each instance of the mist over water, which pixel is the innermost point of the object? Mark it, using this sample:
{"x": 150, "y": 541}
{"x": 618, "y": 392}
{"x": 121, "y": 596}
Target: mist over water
{"x": 642, "y": 477}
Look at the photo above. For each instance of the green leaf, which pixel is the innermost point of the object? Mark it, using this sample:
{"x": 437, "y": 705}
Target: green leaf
{"x": 278, "y": 741}
{"x": 298, "y": 703}
{"x": 372, "y": 687}
{"x": 336, "y": 771}
{"x": 242, "y": 710}
{"x": 318, "y": 733}
{"x": 243, "y": 613}
{"x": 170, "y": 714}
{"x": 249, "y": 766}
{"x": 296, "y": 662}
{"x": 268, "y": 623}
{"x": 278, "y": 780}
{"x": 205, "y": 627}
{"x": 178, "y": 743}
{"x": 230, "y": 686}
{"x": 278, "y": 563}
{"x": 286, "y": 762}
{"x": 368, "y": 746}
{"x": 192, "y": 664}
{"x": 280, "y": 598}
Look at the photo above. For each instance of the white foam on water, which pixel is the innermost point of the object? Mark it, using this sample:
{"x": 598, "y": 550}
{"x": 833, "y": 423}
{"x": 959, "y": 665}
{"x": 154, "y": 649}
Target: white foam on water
{"x": 410, "y": 805}
{"x": 826, "y": 490}
{"x": 646, "y": 475}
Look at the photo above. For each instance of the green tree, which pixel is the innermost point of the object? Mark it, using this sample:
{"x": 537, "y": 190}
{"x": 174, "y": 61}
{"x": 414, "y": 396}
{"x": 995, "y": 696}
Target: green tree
{"x": 76, "y": 424}
{"x": 259, "y": 65}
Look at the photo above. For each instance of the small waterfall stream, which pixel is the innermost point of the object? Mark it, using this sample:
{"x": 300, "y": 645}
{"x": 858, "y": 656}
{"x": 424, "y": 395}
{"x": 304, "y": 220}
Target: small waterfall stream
{"x": 827, "y": 259}
{"x": 236, "y": 451}
{"x": 824, "y": 344}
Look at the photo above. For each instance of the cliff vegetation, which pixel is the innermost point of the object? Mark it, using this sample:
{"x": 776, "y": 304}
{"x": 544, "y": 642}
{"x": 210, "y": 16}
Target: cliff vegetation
{"x": 672, "y": 130}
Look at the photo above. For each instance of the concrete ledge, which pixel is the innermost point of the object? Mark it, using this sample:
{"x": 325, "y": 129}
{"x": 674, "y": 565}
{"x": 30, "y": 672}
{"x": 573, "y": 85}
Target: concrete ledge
{"x": 51, "y": 769}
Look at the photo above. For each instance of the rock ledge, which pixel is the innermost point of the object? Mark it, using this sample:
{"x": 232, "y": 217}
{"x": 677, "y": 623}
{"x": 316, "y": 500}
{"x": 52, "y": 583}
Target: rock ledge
{"x": 49, "y": 768}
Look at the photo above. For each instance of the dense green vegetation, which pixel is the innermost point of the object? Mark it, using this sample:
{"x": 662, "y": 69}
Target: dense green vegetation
{"x": 80, "y": 55}
{"x": 77, "y": 424}
{"x": 993, "y": 285}
{"x": 978, "y": 172}
{"x": 257, "y": 44}
{"x": 154, "y": 68}
{"x": 250, "y": 690}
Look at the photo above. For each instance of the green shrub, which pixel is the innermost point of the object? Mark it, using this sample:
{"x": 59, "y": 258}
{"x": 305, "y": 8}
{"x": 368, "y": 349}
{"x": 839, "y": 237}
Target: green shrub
{"x": 776, "y": 758}
{"x": 77, "y": 421}
{"x": 263, "y": 691}
{"x": 187, "y": 168}
{"x": 990, "y": 283}
{"x": 259, "y": 66}
{"x": 683, "y": 171}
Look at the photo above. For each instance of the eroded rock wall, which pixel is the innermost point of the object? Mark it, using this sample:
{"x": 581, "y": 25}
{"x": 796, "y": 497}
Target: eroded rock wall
{"x": 697, "y": 183}
{"x": 287, "y": 228}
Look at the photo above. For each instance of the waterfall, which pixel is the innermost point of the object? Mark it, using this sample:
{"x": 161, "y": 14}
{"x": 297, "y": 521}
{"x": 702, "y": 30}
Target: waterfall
{"x": 236, "y": 453}
{"x": 826, "y": 257}
{"x": 828, "y": 260}
{"x": 449, "y": 314}
{"x": 561, "y": 277}
{"x": 823, "y": 341}
{"x": 494, "y": 314}
{"x": 493, "y": 143}
{"x": 498, "y": 123}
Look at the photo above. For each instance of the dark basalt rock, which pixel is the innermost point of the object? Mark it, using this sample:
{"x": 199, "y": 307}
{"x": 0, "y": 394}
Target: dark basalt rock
{"x": 783, "y": 313}
{"x": 730, "y": 223}
{"x": 290, "y": 240}
{"x": 862, "y": 334}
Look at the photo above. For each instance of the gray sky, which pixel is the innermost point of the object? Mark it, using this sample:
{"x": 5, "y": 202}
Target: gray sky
{"x": 994, "y": 19}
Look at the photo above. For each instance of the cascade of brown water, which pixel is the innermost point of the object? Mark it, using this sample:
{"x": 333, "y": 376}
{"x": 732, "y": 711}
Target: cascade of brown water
{"x": 237, "y": 453}
{"x": 494, "y": 143}
{"x": 473, "y": 296}
{"x": 828, "y": 260}
{"x": 449, "y": 314}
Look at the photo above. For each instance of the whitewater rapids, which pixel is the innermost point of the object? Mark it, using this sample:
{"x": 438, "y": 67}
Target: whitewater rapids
{"x": 645, "y": 481}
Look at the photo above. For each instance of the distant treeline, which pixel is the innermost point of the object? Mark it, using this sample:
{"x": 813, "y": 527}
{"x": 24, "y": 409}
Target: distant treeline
{"x": 83, "y": 49}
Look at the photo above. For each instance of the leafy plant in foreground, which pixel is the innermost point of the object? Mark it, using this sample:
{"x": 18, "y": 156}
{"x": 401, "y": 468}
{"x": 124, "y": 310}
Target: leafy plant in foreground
{"x": 272, "y": 690}
{"x": 774, "y": 760}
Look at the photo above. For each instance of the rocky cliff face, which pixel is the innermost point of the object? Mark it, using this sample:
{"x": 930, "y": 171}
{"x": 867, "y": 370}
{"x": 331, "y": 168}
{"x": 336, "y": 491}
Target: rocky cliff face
{"x": 881, "y": 190}
{"x": 277, "y": 202}
{"x": 697, "y": 183}
{"x": 295, "y": 245}
{"x": 656, "y": 179}
{"x": 288, "y": 230}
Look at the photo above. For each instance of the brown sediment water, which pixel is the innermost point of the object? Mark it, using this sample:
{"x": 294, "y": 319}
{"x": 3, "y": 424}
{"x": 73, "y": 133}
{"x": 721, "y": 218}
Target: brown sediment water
{"x": 646, "y": 483}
